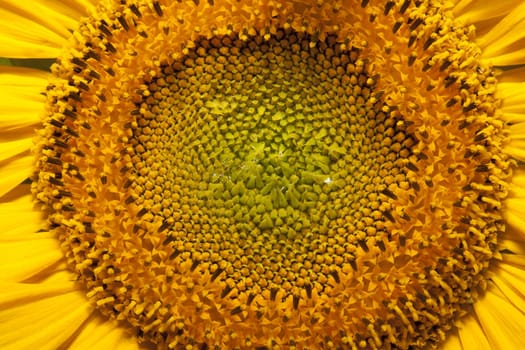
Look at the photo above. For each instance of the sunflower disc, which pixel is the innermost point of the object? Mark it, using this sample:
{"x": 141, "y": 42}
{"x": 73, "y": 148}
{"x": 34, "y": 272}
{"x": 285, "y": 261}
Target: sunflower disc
{"x": 299, "y": 174}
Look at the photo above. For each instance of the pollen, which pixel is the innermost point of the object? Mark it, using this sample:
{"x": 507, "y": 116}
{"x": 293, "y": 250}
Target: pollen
{"x": 238, "y": 174}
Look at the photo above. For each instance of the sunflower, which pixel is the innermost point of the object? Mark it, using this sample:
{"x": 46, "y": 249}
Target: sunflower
{"x": 242, "y": 174}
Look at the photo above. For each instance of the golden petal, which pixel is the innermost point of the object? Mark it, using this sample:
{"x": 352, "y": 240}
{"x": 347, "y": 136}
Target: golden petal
{"x": 502, "y": 322}
{"x": 39, "y": 28}
{"x": 41, "y": 315}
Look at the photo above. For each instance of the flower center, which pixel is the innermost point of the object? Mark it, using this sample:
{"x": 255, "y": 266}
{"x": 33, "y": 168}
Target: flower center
{"x": 281, "y": 175}
{"x": 260, "y": 151}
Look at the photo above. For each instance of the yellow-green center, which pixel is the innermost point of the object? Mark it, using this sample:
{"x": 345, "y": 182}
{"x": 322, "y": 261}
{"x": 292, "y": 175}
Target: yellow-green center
{"x": 265, "y": 152}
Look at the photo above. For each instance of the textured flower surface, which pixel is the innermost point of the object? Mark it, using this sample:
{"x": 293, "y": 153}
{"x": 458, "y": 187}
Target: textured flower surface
{"x": 244, "y": 174}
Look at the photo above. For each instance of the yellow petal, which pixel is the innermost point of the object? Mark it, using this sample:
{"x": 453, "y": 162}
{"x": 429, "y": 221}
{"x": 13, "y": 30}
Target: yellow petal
{"x": 517, "y": 131}
{"x": 517, "y": 260}
{"x": 13, "y": 148}
{"x": 17, "y": 293}
{"x": 18, "y": 220}
{"x": 42, "y": 315}
{"x": 502, "y": 45}
{"x": 452, "y": 342}
{"x": 38, "y": 28}
{"x": 514, "y": 117}
{"x": 512, "y": 95}
{"x": 514, "y": 234}
{"x": 512, "y": 243}
{"x": 15, "y": 170}
{"x": 83, "y": 7}
{"x": 16, "y": 193}
{"x": 101, "y": 333}
{"x": 515, "y": 204}
{"x": 471, "y": 334}
{"x": 514, "y": 216}
{"x": 21, "y": 101}
{"x": 23, "y": 77}
{"x": 502, "y": 322}
{"x": 27, "y": 250}
{"x": 513, "y": 57}
{"x": 24, "y": 258}
{"x": 518, "y": 180}
{"x": 470, "y": 11}
{"x": 516, "y": 149}
{"x": 512, "y": 75}
{"x": 510, "y": 280}
{"x": 23, "y": 38}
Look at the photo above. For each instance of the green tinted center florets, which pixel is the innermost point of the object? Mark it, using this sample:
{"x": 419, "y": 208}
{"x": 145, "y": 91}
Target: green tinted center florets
{"x": 266, "y": 142}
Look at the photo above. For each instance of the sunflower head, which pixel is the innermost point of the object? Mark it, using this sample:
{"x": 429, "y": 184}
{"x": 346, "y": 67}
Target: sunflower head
{"x": 273, "y": 174}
